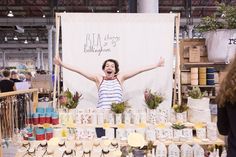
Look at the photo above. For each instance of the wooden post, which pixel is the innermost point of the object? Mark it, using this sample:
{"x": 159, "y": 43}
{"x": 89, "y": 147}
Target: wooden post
{"x": 35, "y": 100}
{"x": 177, "y": 65}
{"x": 56, "y": 71}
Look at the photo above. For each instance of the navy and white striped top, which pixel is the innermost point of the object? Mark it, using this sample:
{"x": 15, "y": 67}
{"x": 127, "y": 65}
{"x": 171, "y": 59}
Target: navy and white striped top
{"x": 109, "y": 91}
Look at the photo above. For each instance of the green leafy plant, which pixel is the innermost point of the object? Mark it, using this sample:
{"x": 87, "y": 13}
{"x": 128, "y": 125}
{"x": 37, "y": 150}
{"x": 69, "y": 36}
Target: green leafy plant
{"x": 70, "y": 100}
{"x": 196, "y": 93}
{"x": 180, "y": 108}
{"x": 119, "y": 107}
{"x": 152, "y": 99}
{"x": 178, "y": 126}
{"x": 224, "y": 18}
{"x": 150, "y": 145}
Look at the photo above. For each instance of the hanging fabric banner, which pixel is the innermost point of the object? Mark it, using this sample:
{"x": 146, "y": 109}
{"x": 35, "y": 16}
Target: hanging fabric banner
{"x": 134, "y": 40}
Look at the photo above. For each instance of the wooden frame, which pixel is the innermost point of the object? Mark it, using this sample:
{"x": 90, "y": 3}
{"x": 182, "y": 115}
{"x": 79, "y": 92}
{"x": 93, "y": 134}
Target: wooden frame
{"x": 177, "y": 68}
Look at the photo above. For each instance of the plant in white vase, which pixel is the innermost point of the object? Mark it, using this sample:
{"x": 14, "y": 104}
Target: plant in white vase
{"x": 198, "y": 105}
{"x": 70, "y": 100}
{"x": 180, "y": 112}
{"x": 177, "y": 131}
{"x": 220, "y": 32}
{"x": 152, "y": 100}
{"x": 118, "y": 109}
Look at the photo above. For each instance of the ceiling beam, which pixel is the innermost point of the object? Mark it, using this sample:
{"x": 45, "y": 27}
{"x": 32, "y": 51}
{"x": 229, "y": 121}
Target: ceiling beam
{"x": 22, "y": 46}
{"x": 26, "y": 21}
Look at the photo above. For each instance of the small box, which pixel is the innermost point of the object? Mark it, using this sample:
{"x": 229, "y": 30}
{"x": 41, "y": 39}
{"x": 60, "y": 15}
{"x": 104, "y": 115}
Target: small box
{"x": 194, "y": 54}
{"x": 185, "y": 78}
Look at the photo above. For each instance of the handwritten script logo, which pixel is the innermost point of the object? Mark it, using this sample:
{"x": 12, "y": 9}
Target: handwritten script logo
{"x": 97, "y": 43}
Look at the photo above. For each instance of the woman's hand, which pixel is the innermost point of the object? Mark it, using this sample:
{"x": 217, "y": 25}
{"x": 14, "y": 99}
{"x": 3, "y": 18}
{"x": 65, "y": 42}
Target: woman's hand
{"x": 161, "y": 62}
{"x": 57, "y": 60}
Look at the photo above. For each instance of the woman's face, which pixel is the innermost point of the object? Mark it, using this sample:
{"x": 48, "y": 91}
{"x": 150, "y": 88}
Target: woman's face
{"x": 109, "y": 69}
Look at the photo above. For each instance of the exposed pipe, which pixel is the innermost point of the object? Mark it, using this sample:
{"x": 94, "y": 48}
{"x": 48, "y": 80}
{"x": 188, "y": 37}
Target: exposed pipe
{"x": 50, "y": 67}
{"x": 150, "y": 6}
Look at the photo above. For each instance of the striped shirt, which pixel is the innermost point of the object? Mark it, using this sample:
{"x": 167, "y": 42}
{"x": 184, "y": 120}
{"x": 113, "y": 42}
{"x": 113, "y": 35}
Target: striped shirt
{"x": 109, "y": 91}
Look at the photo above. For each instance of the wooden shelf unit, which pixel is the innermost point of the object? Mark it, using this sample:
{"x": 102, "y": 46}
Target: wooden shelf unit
{"x": 186, "y": 65}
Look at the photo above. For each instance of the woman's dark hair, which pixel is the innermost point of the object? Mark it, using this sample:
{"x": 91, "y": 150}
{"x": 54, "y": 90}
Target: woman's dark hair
{"x": 113, "y": 61}
{"x": 6, "y": 73}
{"x": 228, "y": 86}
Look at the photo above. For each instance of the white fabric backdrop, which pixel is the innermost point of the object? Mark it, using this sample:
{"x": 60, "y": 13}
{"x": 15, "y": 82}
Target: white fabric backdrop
{"x": 134, "y": 40}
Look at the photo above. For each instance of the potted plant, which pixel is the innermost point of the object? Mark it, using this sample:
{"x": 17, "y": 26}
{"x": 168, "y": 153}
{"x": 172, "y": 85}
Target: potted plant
{"x": 220, "y": 32}
{"x": 118, "y": 109}
{"x": 69, "y": 100}
{"x": 198, "y": 105}
{"x": 152, "y": 100}
{"x": 180, "y": 112}
{"x": 196, "y": 97}
{"x": 150, "y": 149}
{"x": 178, "y": 130}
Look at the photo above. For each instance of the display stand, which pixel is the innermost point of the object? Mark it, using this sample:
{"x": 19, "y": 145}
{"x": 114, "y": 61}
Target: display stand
{"x": 193, "y": 54}
{"x": 20, "y": 92}
{"x": 176, "y": 84}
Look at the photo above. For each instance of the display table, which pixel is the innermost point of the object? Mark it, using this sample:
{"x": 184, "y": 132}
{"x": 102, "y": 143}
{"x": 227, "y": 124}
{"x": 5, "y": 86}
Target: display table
{"x": 58, "y": 148}
{"x": 81, "y": 148}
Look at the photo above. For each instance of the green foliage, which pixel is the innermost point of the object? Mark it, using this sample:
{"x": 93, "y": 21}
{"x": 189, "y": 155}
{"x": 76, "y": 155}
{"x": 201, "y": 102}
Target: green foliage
{"x": 70, "y": 101}
{"x": 150, "y": 145}
{"x": 209, "y": 23}
{"x": 178, "y": 126}
{"x": 229, "y": 15}
{"x": 224, "y": 18}
{"x": 152, "y": 99}
{"x": 180, "y": 108}
{"x": 196, "y": 93}
{"x": 119, "y": 107}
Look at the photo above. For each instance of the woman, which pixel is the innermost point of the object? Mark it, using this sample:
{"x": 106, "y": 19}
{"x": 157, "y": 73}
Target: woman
{"x": 110, "y": 84}
{"x": 112, "y": 81}
{"x": 226, "y": 115}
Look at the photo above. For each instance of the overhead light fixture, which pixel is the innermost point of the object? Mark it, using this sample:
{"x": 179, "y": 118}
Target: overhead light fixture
{"x": 26, "y": 42}
{"x": 5, "y": 39}
{"x": 15, "y": 38}
{"x": 10, "y": 14}
{"x": 37, "y": 38}
{"x": 44, "y": 15}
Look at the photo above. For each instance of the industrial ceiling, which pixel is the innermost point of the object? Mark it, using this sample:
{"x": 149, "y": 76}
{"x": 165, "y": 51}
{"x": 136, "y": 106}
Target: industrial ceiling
{"x": 32, "y": 18}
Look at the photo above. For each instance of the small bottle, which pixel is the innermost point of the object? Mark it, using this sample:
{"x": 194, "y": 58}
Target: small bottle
{"x": 217, "y": 153}
{"x": 224, "y": 153}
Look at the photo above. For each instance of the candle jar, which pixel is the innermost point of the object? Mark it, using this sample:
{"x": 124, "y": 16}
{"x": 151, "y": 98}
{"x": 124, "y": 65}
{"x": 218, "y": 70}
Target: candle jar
{"x": 55, "y": 118}
{"x": 35, "y": 118}
{"x": 49, "y": 133}
{"x": 40, "y": 134}
{"x": 41, "y": 118}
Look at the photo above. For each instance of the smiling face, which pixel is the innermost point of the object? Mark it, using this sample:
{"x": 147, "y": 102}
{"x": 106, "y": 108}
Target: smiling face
{"x": 110, "y": 68}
